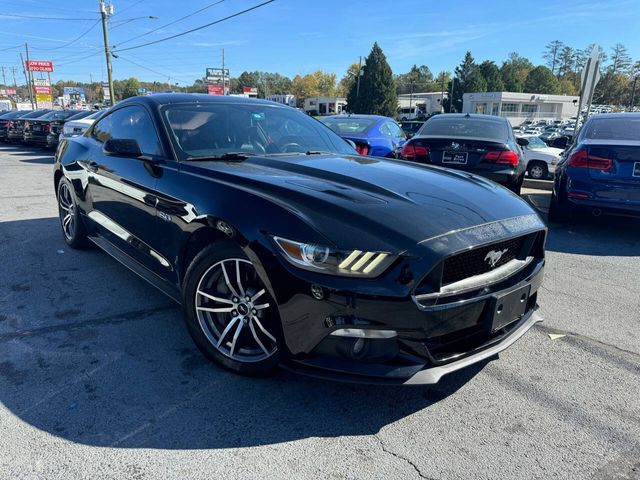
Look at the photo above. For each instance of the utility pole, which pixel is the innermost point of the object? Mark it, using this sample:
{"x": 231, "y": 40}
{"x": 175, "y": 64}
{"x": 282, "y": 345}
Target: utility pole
{"x": 107, "y": 53}
{"x": 4, "y": 78}
{"x": 453, "y": 80}
{"x": 411, "y": 99}
{"x": 224, "y": 78}
{"x": 359, "y": 73}
{"x": 442, "y": 95}
{"x": 27, "y": 76}
{"x": 15, "y": 84}
{"x": 633, "y": 92}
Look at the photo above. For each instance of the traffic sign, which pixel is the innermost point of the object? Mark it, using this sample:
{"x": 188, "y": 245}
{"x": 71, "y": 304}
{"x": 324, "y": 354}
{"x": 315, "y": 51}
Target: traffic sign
{"x": 589, "y": 78}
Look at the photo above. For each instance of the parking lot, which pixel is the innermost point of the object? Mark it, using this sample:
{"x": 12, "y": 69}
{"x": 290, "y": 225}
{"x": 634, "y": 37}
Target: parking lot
{"x": 99, "y": 378}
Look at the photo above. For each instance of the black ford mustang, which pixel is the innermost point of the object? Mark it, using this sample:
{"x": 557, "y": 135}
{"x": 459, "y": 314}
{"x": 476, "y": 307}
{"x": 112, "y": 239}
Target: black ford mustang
{"x": 285, "y": 246}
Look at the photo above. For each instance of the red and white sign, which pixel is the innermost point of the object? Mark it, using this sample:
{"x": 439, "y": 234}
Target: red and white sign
{"x": 42, "y": 90}
{"x": 250, "y": 90}
{"x": 215, "y": 89}
{"x": 11, "y": 91}
{"x": 39, "y": 66}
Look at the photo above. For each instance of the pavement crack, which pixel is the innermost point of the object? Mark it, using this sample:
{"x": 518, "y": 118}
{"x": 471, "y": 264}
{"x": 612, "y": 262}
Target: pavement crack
{"x": 401, "y": 457}
{"x": 587, "y": 339}
{"x": 107, "y": 320}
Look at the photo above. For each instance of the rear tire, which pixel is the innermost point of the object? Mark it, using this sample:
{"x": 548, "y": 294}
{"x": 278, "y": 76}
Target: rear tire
{"x": 558, "y": 212}
{"x": 517, "y": 186}
{"x": 229, "y": 313}
{"x": 537, "y": 170}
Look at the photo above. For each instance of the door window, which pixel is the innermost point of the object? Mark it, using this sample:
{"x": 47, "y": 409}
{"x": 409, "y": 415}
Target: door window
{"x": 393, "y": 130}
{"x": 131, "y": 122}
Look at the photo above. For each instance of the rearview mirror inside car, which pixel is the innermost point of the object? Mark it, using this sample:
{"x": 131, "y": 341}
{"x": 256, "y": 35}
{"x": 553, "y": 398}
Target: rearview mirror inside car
{"x": 122, "y": 147}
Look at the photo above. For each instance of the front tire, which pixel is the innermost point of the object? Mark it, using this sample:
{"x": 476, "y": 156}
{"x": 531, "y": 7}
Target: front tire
{"x": 73, "y": 230}
{"x": 230, "y": 315}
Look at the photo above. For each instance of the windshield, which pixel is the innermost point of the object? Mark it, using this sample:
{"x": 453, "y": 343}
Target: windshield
{"x": 465, "y": 128}
{"x": 536, "y": 143}
{"x": 213, "y": 129}
{"x": 621, "y": 128}
{"x": 342, "y": 125}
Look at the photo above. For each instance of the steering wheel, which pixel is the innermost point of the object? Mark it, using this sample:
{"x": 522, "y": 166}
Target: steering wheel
{"x": 296, "y": 148}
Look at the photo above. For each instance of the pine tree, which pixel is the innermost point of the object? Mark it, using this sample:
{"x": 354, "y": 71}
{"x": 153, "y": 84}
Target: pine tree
{"x": 377, "y": 93}
{"x": 620, "y": 59}
{"x": 552, "y": 54}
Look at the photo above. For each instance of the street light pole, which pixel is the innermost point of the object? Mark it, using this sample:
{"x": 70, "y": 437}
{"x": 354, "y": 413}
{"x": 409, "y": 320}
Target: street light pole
{"x": 105, "y": 35}
{"x": 359, "y": 73}
{"x": 453, "y": 80}
{"x": 633, "y": 92}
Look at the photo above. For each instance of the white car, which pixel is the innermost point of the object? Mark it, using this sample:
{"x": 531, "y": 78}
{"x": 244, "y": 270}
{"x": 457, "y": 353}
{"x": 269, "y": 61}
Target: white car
{"x": 75, "y": 128}
{"x": 541, "y": 159}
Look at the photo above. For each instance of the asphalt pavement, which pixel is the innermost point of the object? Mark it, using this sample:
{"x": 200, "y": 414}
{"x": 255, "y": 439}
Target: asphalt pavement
{"x": 99, "y": 378}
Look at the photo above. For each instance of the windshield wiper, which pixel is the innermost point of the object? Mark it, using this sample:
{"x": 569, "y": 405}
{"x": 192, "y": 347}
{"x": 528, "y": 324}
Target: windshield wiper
{"x": 224, "y": 156}
{"x": 317, "y": 152}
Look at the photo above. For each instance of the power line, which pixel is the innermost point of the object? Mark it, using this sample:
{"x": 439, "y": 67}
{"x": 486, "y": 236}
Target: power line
{"x": 15, "y": 15}
{"x": 171, "y": 23}
{"x": 142, "y": 66}
{"x": 10, "y": 48}
{"x": 198, "y": 28}
{"x": 72, "y": 41}
{"x": 127, "y": 8}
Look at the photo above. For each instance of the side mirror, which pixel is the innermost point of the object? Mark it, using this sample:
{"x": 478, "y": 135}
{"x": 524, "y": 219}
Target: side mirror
{"x": 350, "y": 142}
{"x": 523, "y": 142}
{"x": 122, "y": 147}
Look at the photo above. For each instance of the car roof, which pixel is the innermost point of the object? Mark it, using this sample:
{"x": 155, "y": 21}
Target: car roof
{"x": 605, "y": 116}
{"x": 362, "y": 116}
{"x": 475, "y": 116}
{"x": 160, "y": 99}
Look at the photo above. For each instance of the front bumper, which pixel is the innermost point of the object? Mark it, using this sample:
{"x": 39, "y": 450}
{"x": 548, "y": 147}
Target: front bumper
{"x": 426, "y": 338}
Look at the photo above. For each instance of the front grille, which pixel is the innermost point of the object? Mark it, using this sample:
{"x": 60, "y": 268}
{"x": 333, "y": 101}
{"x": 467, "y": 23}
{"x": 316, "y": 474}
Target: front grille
{"x": 476, "y": 261}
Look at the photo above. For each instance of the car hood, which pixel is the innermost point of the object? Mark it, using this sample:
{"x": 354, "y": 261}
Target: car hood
{"x": 545, "y": 153}
{"x": 365, "y": 202}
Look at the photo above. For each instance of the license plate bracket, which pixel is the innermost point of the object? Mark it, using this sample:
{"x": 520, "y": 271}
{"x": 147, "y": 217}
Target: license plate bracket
{"x": 456, "y": 158}
{"x": 509, "y": 307}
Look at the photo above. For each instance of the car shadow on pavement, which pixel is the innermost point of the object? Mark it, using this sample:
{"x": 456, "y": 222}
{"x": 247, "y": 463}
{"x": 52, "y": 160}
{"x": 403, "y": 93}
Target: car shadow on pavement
{"x": 39, "y": 160}
{"x": 595, "y": 236}
{"x": 92, "y": 354}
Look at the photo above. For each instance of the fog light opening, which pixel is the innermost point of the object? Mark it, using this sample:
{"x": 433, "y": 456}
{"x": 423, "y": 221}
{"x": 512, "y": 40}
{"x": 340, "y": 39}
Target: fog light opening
{"x": 358, "y": 347}
{"x": 362, "y": 333}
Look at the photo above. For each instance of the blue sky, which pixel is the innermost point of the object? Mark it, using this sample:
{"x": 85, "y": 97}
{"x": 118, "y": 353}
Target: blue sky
{"x": 299, "y": 36}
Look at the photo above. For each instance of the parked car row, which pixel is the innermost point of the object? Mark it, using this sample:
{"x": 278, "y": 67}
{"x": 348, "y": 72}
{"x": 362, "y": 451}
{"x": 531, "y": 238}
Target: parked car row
{"x": 39, "y": 127}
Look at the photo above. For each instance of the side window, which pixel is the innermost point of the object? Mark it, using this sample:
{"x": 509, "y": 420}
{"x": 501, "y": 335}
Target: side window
{"x": 133, "y": 123}
{"x": 395, "y": 130}
{"x": 384, "y": 129}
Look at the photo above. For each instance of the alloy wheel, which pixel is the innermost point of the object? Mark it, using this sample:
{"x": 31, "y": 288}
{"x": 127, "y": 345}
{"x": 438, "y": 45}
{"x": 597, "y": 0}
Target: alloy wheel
{"x": 233, "y": 311}
{"x": 536, "y": 171}
{"x": 67, "y": 211}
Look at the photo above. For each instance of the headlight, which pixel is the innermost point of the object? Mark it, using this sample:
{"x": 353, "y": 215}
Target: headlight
{"x": 322, "y": 259}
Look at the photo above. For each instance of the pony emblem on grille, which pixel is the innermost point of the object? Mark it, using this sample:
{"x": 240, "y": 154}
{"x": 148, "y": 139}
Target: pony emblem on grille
{"x": 494, "y": 256}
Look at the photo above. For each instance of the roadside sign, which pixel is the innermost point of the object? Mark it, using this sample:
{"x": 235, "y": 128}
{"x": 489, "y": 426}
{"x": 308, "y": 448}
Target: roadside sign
{"x": 105, "y": 91}
{"x": 215, "y": 75}
{"x": 215, "y": 89}
{"x": 42, "y": 90}
{"x": 41, "y": 82}
{"x": 142, "y": 91}
{"x": 11, "y": 91}
{"x": 250, "y": 90}
{"x": 39, "y": 65}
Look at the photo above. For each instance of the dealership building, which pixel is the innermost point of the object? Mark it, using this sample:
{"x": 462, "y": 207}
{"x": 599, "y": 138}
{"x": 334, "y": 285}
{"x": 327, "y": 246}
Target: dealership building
{"x": 426, "y": 102}
{"x": 324, "y": 105}
{"x": 518, "y": 107}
